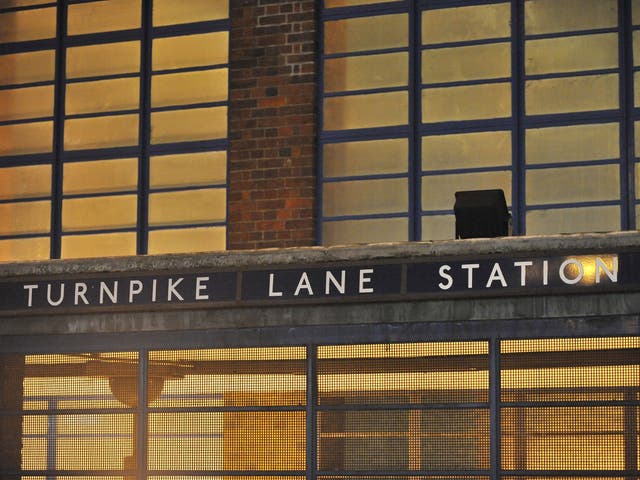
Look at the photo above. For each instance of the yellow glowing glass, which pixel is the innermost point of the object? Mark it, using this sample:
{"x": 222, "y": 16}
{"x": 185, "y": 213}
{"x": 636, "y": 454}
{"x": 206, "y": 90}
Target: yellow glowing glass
{"x": 366, "y": 72}
{"x": 365, "y": 231}
{"x": 24, "y": 103}
{"x": 189, "y": 87}
{"x": 95, "y": 213}
{"x": 365, "y": 197}
{"x": 573, "y": 220}
{"x": 186, "y": 207}
{"x": 24, "y": 249}
{"x": 469, "y": 102}
{"x": 27, "y": 67}
{"x": 95, "y": 17}
{"x": 549, "y": 16}
{"x": 366, "y": 33}
{"x": 476, "y": 62}
{"x": 438, "y": 227}
{"x": 184, "y": 240}
{"x": 102, "y": 96}
{"x": 366, "y": 157}
{"x": 466, "y": 150}
{"x": 88, "y": 61}
{"x": 101, "y": 132}
{"x": 190, "y": 51}
{"x": 189, "y": 125}
{"x": 206, "y": 168}
{"x": 25, "y": 217}
{"x": 98, "y": 245}
{"x": 170, "y": 12}
{"x": 366, "y": 111}
{"x": 100, "y": 176}
{"x": 438, "y": 191}
{"x": 26, "y": 138}
{"x": 25, "y": 182}
{"x": 466, "y": 23}
{"x": 24, "y": 25}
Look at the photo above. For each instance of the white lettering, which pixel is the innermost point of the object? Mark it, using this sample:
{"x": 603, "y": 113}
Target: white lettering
{"x": 365, "y": 280}
{"x": 545, "y": 272}
{"x": 31, "y": 288}
{"x": 112, "y": 294}
{"x": 523, "y": 271}
{"x": 200, "y": 286}
{"x": 563, "y": 276}
{"x": 171, "y": 289}
{"x": 303, "y": 284}
{"x": 601, "y": 265}
{"x": 496, "y": 274}
{"x": 154, "y": 290}
{"x": 56, "y": 302}
{"x": 135, "y": 288}
{"x": 443, "y": 273}
{"x": 79, "y": 293}
{"x": 272, "y": 292}
{"x": 470, "y": 267}
{"x": 330, "y": 279}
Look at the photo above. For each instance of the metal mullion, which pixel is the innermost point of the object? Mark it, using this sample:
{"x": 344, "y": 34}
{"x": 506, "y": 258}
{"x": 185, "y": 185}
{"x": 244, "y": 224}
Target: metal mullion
{"x": 142, "y": 430}
{"x": 312, "y": 402}
{"x": 518, "y": 162}
{"x": 414, "y": 166}
{"x": 495, "y": 440}
{"x": 144, "y": 127}
{"x": 58, "y": 132}
{"x": 627, "y": 95}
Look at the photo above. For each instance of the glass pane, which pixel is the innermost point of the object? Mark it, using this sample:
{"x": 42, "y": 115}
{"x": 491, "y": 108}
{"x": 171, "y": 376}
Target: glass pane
{"x": 274, "y": 376}
{"x": 206, "y": 168}
{"x": 23, "y": 3}
{"x": 365, "y": 197}
{"x": 25, "y": 218}
{"x": 366, "y": 33}
{"x": 189, "y": 125}
{"x": 25, "y": 25}
{"x": 466, "y": 23}
{"x": 403, "y": 373}
{"x": 366, "y": 72}
{"x": 366, "y": 111}
{"x": 95, "y": 213}
{"x": 212, "y": 440}
{"x": 549, "y": 16}
{"x": 438, "y": 191}
{"x": 573, "y": 94}
{"x": 469, "y": 102}
{"x": 23, "y": 103}
{"x": 366, "y": 157}
{"x": 26, "y": 138}
{"x": 190, "y": 51}
{"x": 438, "y": 227}
{"x": 100, "y": 176}
{"x": 102, "y": 96}
{"x": 474, "y": 62}
{"x": 17, "y": 250}
{"x": 573, "y": 220}
{"x": 571, "y": 54}
{"x": 349, "y": 3}
{"x": 94, "y": 17}
{"x": 185, "y": 240}
{"x": 466, "y": 150}
{"x": 170, "y": 12}
{"x": 88, "y": 61}
{"x": 346, "y": 232}
{"x": 564, "y": 438}
{"x": 359, "y": 440}
{"x": 189, "y": 88}
{"x": 27, "y": 67}
{"x": 83, "y": 442}
{"x": 572, "y": 143}
{"x": 573, "y": 184}
{"x": 188, "y": 207}
{"x": 635, "y": 12}
{"x": 636, "y": 89}
{"x": 25, "y": 182}
{"x": 101, "y": 132}
{"x": 99, "y": 245}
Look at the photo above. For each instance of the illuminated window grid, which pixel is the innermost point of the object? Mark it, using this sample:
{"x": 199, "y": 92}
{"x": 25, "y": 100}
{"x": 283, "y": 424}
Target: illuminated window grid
{"x": 570, "y": 102}
{"x": 365, "y": 166}
{"x": 26, "y": 129}
{"x": 530, "y": 144}
{"x": 94, "y": 120}
{"x": 556, "y": 407}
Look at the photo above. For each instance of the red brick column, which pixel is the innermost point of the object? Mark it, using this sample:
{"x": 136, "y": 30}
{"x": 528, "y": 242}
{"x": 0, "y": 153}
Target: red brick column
{"x": 272, "y": 134}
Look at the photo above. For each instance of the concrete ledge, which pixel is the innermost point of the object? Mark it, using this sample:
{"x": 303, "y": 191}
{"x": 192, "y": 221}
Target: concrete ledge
{"x": 558, "y": 244}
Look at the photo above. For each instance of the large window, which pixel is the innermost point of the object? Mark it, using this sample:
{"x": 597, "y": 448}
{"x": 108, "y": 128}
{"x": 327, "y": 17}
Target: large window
{"x": 512, "y": 409}
{"x": 113, "y": 127}
{"x": 422, "y": 99}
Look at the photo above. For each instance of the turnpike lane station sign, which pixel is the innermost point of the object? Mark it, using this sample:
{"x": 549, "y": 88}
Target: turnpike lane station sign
{"x": 396, "y": 280}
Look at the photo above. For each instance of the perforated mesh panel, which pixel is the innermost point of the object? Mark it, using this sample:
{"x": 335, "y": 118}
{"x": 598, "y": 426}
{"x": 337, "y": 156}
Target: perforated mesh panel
{"x": 563, "y": 408}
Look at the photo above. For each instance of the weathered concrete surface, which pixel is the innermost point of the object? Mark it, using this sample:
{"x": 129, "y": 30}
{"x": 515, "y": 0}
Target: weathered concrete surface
{"x": 621, "y": 305}
{"x": 558, "y": 244}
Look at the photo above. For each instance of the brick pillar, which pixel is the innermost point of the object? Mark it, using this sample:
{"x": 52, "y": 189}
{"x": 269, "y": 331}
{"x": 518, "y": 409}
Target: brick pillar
{"x": 272, "y": 178}
{"x": 11, "y": 393}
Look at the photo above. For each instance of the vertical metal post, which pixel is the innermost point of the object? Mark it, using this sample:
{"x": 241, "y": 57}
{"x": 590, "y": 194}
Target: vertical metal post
{"x": 495, "y": 445}
{"x": 141, "y": 441}
{"x": 311, "y": 413}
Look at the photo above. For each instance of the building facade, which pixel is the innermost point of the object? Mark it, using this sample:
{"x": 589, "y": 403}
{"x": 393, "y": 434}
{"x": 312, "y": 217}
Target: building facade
{"x": 228, "y": 251}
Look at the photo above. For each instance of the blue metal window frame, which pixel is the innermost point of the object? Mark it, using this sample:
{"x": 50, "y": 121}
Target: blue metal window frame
{"x": 517, "y": 123}
{"x": 145, "y": 34}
